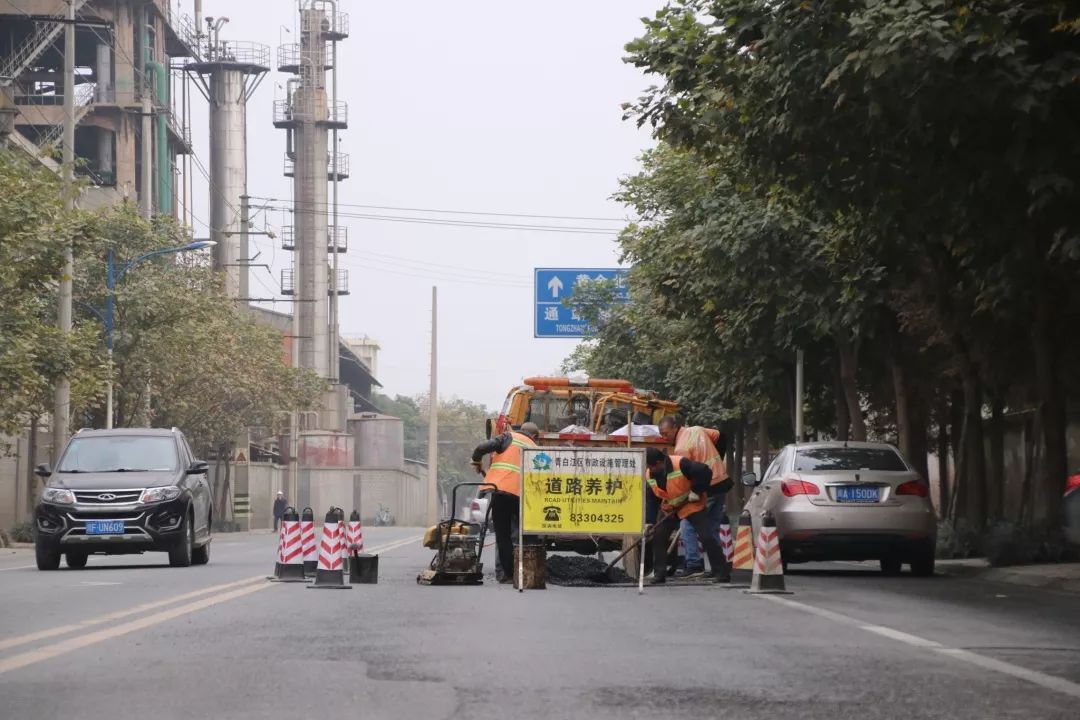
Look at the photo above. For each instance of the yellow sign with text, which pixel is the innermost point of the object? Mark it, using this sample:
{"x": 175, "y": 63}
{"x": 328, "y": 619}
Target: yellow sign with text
{"x": 582, "y": 491}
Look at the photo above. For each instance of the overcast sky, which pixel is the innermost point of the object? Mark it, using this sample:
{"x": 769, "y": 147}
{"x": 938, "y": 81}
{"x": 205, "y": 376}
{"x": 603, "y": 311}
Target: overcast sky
{"x": 479, "y": 105}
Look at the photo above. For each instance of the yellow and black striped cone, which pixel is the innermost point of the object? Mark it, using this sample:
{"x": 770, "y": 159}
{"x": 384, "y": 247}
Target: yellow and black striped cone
{"x": 290, "y": 565}
{"x": 742, "y": 558}
{"x": 329, "y": 574}
{"x": 768, "y": 566}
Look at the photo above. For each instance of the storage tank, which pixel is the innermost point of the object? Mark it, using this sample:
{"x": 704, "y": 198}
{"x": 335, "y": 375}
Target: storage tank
{"x": 380, "y": 440}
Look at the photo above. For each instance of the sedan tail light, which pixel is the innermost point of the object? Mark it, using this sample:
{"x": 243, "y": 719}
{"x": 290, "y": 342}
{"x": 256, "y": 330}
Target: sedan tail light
{"x": 791, "y": 488}
{"x": 914, "y": 487}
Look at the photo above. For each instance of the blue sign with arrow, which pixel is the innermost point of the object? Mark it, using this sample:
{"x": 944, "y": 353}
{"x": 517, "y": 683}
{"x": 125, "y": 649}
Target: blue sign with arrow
{"x": 551, "y": 318}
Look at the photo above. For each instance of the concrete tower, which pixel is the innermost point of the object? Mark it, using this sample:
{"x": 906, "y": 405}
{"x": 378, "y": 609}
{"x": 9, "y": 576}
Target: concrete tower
{"x": 309, "y": 115}
{"x": 228, "y": 73}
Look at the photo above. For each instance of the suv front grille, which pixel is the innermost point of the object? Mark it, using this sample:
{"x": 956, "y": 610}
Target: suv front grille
{"x": 84, "y": 515}
{"x": 107, "y": 497}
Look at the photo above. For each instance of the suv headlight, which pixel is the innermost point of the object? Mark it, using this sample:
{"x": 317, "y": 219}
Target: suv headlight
{"x": 160, "y": 494}
{"x": 58, "y": 496}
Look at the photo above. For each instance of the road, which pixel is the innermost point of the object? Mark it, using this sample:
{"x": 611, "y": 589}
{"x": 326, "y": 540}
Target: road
{"x": 133, "y": 638}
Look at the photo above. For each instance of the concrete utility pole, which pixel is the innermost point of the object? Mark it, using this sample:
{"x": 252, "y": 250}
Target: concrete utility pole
{"x": 62, "y": 397}
{"x": 433, "y": 418}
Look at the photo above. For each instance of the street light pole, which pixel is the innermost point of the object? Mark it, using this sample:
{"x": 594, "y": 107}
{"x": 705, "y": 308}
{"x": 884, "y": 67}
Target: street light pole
{"x": 111, "y": 278}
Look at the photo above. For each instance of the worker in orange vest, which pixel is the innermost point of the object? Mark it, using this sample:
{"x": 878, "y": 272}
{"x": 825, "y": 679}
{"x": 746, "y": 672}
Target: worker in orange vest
{"x": 701, "y": 444}
{"x": 505, "y": 474}
{"x": 680, "y": 484}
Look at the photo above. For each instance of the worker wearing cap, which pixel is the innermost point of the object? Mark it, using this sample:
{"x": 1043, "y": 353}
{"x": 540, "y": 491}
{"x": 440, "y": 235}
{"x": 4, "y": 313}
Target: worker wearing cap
{"x": 680, "y": 484}
{"x": 505, "y": 474}
{"x": 702, "y": 445}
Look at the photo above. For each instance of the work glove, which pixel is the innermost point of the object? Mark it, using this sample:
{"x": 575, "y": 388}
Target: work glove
{"x": 693, "y": 496}
{"x": 477, "y": 466}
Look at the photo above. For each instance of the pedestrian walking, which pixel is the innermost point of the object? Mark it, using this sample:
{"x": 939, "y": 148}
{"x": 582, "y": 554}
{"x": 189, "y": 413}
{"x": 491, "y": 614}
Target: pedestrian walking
{"x": 279, "y": 509}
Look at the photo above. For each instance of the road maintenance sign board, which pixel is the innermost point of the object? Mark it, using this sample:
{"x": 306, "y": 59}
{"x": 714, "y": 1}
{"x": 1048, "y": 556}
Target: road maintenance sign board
{"x": 582, "y": 491}
{"x": 553, "y": 319}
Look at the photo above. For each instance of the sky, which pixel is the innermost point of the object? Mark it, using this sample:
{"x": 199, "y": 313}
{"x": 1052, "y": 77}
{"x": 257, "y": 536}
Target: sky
{"x": 481, "y": 105}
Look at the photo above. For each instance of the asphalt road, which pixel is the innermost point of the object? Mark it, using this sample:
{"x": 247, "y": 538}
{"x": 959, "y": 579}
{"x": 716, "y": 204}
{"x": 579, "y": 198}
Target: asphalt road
{"x": 133, "y": 638}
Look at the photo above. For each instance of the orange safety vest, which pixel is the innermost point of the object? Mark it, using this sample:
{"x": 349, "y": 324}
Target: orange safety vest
{"x": 699, "y": 443}
{"x": 505, "y": 470}
{"x": 676, "y": 496}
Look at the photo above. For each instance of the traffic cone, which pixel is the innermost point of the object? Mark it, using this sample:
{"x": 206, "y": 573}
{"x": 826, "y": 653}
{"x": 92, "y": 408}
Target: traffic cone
{"x": 279, "y": 558}
{"x": 290, "y": 565}
{"x": 725, "y": 540}
{"x": 328, "y": 574}
{"x": 343, "y": 539}
{"x": 354, "y": 535}
{"x": 768, "y": 567}
{"x": 307, "y": 542}
{"x": 742, "y": 557}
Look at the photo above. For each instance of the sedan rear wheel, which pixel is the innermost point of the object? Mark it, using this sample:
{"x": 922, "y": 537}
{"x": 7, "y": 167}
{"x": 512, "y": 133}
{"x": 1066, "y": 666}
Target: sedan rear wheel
{"x": 923, "y": 566}
{"x": 891, "y": 566}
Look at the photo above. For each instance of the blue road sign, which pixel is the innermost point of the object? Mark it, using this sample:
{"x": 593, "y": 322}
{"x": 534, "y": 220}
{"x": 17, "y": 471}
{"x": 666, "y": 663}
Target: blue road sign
{"x": 552, "y": 319}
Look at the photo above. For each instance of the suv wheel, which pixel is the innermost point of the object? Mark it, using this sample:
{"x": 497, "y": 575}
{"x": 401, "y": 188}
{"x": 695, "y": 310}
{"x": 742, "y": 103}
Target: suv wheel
{"x": 47, "y": 558}
{"x": 181, "y": 555}
{"x": 923, "y": 565}
{"x": 76, "y": 559}
{"x": 201, "y": 555}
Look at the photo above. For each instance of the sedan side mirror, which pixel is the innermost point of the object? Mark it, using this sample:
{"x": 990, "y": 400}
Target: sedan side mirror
{"x": 199, "y": 467}
{"x": 749, "y": 479}
{"x": 43, "y": 471}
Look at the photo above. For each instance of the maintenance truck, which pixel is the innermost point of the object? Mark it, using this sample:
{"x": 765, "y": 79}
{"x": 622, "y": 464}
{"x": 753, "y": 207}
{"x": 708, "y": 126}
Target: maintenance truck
{"x": 584, "y": 412}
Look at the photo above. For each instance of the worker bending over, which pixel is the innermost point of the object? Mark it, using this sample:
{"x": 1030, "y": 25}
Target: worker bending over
{"x": 702, "y": 445}
{"x": 680, "y": 484}
{"x": 505, "y": 474}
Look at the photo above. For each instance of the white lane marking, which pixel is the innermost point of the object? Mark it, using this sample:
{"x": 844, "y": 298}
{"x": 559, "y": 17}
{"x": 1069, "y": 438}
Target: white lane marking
{"x": 98, "y": 584}
{"x": 50, "y": 651}
{"x": 64, "y": 629}
{"x": 21, "y": 567}
{"x": 1050, "y": 682}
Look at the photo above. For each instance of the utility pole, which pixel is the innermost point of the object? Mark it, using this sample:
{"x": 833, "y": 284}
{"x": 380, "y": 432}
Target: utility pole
{"x": 433, "y": 418}
{"x": 62, "y": 397}
{"x": 799, "y": 395}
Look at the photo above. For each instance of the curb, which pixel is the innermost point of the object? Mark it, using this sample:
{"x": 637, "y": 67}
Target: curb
{"x": 1052, "y": 579}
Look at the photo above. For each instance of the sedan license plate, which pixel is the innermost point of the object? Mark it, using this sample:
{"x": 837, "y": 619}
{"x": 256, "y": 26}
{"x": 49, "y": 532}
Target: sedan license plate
{"x": 857, "y": 494}
{"x": 105, "y": 527}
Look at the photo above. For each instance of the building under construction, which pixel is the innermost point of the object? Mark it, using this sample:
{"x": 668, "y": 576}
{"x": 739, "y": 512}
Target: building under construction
{"x": 131, "y": 133}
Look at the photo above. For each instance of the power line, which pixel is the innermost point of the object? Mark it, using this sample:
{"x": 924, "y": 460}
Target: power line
{"x": 465, "y": 212}
{"x": 464, "y": 223}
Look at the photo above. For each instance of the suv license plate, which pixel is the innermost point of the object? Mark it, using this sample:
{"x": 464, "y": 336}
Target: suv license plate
{"x": 857, "y": 494}
{"x": 105, "y": 527}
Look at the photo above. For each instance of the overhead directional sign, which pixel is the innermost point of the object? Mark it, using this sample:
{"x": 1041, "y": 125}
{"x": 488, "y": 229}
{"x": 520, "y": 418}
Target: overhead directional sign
{"x": 553, "y": 286}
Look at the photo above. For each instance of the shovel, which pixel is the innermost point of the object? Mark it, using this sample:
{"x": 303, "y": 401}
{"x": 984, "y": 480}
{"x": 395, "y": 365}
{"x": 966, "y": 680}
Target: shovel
{"x": 604, "y": 576}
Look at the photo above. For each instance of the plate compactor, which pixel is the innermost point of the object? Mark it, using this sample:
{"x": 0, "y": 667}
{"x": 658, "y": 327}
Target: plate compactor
{"x": 459, "y": 545}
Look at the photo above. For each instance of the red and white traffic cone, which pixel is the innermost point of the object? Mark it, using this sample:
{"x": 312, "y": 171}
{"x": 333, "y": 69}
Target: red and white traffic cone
{"x": 279, "y": 558}
{"x": 768, "y": 566}
{"x": 742, "y": 559}
{"x": 354, "y": 535}
{"x": 328, "y": 574}
{"x": 725, "y": 540}
{"x": 290, "y": 566}
{"x": 307, "y": 542}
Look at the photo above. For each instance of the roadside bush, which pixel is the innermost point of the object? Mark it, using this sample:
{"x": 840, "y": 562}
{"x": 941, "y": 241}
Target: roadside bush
{"x": 957, "y": 541}
{"x": 1009, "y": 544}
{"x": 22, "y": 532}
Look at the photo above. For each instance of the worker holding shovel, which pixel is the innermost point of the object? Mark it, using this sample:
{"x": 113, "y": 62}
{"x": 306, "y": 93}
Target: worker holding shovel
{"x": 681, "y": 485}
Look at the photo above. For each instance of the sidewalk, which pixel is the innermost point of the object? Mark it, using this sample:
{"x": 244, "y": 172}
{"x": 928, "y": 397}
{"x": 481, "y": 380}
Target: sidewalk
{"x": 1064, "y": 577}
